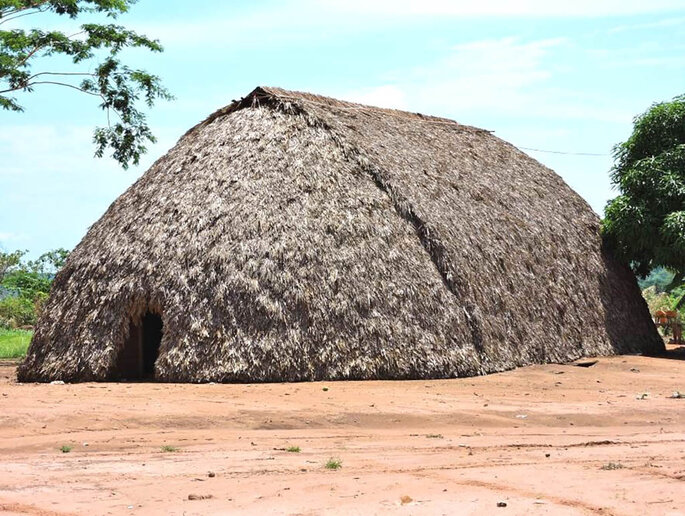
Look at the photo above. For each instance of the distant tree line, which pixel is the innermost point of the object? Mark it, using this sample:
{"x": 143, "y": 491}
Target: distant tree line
{"x": 25, "y": 285}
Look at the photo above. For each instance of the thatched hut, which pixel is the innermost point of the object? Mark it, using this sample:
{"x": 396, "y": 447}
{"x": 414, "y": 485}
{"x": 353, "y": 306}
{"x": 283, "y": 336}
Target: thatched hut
{"x": 296, "y": 237}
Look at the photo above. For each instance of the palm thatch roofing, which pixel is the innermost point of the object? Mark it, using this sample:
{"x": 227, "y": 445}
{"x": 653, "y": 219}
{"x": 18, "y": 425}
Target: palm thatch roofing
{"x": 296, "y": 237}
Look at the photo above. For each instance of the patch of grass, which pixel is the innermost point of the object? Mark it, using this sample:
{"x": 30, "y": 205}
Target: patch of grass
{"x": 610, "y": 466}
{"x": 293, "y": 449}
{"x": 169, "y": 449}
{"x": 434, "y": 436}
{"x": 333, "y": 463}
{"x": 14, "y": 343}
{"x": 66, "y": 448}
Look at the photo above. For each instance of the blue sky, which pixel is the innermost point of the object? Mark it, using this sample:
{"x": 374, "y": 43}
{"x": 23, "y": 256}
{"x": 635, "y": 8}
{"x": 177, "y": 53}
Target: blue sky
{"x": 560, "y": 76}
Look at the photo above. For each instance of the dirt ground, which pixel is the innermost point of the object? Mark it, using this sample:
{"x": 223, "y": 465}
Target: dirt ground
{"x": 606, "y": 439}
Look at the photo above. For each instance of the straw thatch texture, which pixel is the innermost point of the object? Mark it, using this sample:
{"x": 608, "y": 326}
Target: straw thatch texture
{"x": 296, "y": 237}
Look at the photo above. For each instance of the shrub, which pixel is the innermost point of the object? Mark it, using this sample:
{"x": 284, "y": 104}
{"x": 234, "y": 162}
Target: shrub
{"x": 17, "y": 311}
{"x": 24, "y": 285}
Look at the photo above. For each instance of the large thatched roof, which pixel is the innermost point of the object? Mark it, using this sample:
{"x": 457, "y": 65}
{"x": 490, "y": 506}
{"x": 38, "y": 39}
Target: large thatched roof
{"x": 296, "y": 237}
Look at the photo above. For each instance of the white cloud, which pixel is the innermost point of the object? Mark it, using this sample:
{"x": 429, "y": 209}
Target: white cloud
{"x": 528, "y": 8}
{"x": 11, "y": 237}
{"x": 641, "y": 54}
{"x": 322, "y": 19}
{"x": 503, "y": 76}
{"x": 42, "y": 147}
{"x": 68, "y": 149}
{"x": 666, "y": 22}
{"x": 51, "y": 187}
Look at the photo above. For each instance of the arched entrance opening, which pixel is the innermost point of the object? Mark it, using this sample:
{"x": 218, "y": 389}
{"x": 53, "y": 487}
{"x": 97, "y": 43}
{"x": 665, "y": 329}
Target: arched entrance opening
{"x": 141, "y": 349}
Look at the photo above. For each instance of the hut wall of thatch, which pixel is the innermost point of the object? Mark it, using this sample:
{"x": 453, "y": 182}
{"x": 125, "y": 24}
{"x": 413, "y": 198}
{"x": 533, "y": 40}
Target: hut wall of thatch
{"x": 294, "y": 237}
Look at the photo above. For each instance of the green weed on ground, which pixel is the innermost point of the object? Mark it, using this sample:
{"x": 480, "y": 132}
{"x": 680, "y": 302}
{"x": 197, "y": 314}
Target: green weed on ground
{"x": 14, "y": 343}
{"x": 333, "y": 463}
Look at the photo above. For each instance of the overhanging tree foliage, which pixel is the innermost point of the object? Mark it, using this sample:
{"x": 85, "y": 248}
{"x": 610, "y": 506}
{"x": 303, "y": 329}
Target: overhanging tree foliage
{"x": 645, "y": 224}
{"x": 94, "y": 49}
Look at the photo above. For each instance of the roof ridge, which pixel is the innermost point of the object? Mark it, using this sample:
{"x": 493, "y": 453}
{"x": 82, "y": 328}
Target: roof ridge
{"x": 327, "y": 102}
{"x": 261, "y": 93}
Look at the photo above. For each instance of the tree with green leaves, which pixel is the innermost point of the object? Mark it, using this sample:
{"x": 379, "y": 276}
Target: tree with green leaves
{"x": 94, "y": 49}
{"x": 645, "y": 224}
{"x": 9, "y": 261}
{"x": 48, "y": 264}
{"x": 25, "y": 285}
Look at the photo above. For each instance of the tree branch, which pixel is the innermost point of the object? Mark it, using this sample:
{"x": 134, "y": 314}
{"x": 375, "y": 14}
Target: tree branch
{"x": 56, "y": 83}
{"x": 118, "y": 87}
{"x": 6, "y": 18}
{"x": 28, "y": 82}
{"x": 35, "y": 5}
{"x": 29, "y": 55}
{"x": 37, "y": 48}
{"x": 10, "y": 90}
{"x": 61, "y": 74}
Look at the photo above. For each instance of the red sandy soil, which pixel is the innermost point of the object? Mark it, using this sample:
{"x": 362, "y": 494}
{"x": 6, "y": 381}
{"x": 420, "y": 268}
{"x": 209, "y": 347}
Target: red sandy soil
{"x": 539, "y": 439}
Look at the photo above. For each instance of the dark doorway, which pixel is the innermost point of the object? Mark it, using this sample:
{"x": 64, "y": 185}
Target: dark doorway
{"x": 152, "y": 338}
{"x": 141, "y": 349}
